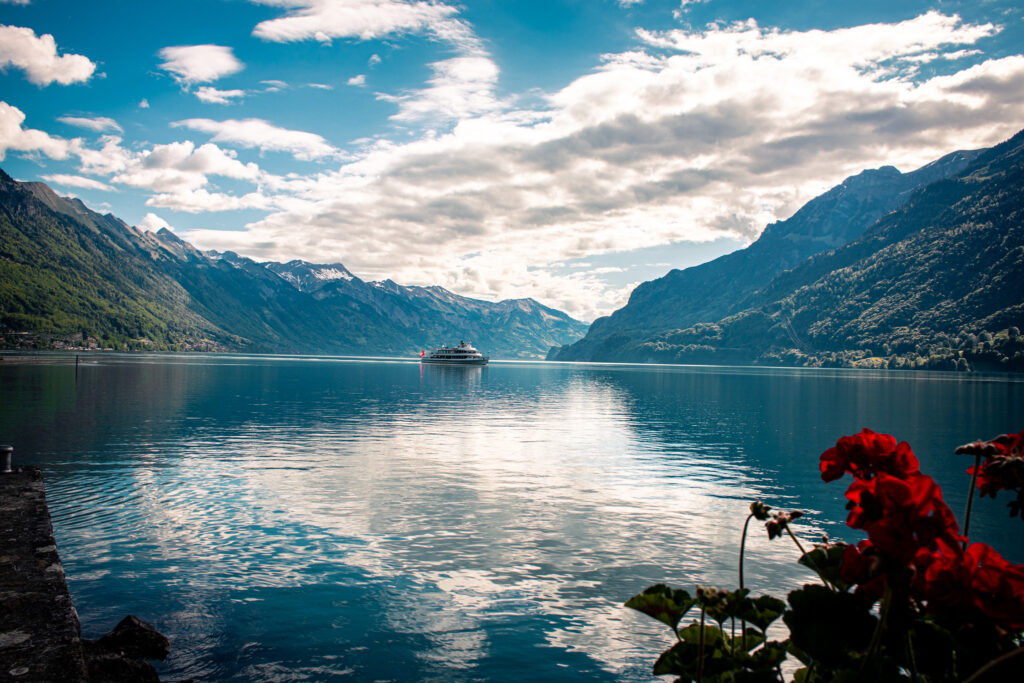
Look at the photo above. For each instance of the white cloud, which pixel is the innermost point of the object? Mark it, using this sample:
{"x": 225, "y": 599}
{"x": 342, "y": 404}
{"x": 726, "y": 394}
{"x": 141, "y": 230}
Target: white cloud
{"x": 202, "y": 201}
{"x": 15, "y": 2}
{"x": 373, "y": 61}
{"x": 214, "y": 96}
{"x": 359, "y": 80}
{"x": 684, "y": 7}
{"x": 95, "y": 123}
{"x": 322, "y": 86}
{"x": 191, "y": 64}
{"x": 461, "y": 87}
{"x": 153, "y": 223}
{"x": 15, "y": 137}
{"x": 691, "y": 136}
{"x": 257, "y": 133}
{"x": 324, "y": 20}
{"x": 274, "y": 85}
{"x": 181, "y": 166}
{"x": 37, "y": 57}
{"x": 109, "y": 159}
{"x": 143, "y": 103}
{"x": 77, "y": 181}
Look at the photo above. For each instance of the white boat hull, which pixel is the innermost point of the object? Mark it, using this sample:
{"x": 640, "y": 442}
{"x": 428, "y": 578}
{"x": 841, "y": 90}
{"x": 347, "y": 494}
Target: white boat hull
{"x": 453, "y": 361}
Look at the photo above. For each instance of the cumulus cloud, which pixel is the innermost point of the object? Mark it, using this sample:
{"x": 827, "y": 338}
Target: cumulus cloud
{"x": 77, "y": 181}
{"x": 201, "y": 201}
{"x": 37, "y": 57}
{"x": 110, "y": 158}
{"x": 153, "y": 223}
{"x": 324, "y": 20}
{"x": 14, "y": 136}
{"x": 460, "y": 87}
{"x": 262, "y": 135}
{"x": 181, "y": 166}
{"x": 192, "y": 64}
{"x": 143, "y": 103}
{"x": 179, "y": 175}
{"x": 359, "y": 80}
{"x": 693, "y": 135}
{"x": 212, "y": 95}
{"x": 99, "y": 124}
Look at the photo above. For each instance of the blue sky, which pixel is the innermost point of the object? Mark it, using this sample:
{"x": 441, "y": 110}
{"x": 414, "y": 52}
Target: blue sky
{"x": 564, "y": 150}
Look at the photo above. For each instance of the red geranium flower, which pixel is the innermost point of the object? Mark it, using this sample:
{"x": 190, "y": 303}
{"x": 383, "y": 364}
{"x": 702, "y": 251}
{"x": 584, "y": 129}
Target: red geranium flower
{"x": 978, "y": 579}
{"x": 867, "y": 454}
{"x": 901, "y": 515}
{"x": 1002, "y": 468}
{"x": 862, "y": 567}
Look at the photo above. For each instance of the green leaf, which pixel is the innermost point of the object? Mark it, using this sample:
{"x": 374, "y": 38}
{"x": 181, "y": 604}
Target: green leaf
{"x": 667, "y": 605}
{"x": 771, "y": 655}
{"x": 713, "y": 635}
{"x": 827, "y": 559}
{"x": 747, "y": 641}
{"x": 680, "y": 659}
{"x": 827, "y": 626}
{"x": 726, "y": 605}
{"x": 762, "y": 611}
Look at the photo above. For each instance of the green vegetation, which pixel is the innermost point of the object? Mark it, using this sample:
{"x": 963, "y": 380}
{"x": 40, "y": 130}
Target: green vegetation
{"x": 916, "y": 600}
{"x": 71, "y": 278}
{"x": 933, "y": 285}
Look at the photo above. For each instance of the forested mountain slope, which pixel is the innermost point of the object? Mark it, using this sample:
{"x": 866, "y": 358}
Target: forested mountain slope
{"x": 72, "y": 277}
{"x": 935, "y": 283}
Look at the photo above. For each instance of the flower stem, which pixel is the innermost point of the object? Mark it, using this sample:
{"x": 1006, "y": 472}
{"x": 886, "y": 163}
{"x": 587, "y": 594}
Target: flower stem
{"x": 911, "y": 657}
{"x": 883, "y": 617}
{"x": 743, "y": 547}
{"x": 810, "y": 562}
{"x": 994, "y": 663}
{"x": 970, "y": 497}
{"x": 700, "y": 648}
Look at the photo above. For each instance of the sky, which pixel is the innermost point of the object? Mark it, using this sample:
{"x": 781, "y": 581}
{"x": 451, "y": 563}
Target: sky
{"x": 564, "y": 150}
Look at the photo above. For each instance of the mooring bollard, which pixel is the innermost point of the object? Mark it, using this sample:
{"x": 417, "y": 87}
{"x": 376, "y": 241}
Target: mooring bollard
{"x": 5, "y": 458}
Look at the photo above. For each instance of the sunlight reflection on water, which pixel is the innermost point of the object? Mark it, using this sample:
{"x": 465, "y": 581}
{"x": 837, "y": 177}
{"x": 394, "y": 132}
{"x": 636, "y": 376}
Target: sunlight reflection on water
{"x": 285, "y": 519}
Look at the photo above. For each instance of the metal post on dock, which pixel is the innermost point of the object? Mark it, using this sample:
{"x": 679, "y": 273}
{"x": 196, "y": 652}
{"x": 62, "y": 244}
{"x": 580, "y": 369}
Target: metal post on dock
{"x": 5, "y": 458}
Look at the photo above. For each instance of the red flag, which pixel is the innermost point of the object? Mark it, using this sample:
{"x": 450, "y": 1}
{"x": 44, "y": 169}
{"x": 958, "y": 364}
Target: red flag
{"x": 422, "y": 353}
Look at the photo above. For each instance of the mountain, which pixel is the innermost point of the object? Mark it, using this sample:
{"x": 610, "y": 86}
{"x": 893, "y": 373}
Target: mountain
{"x": 919, "y": 270}
{"x": 71, "y": 276}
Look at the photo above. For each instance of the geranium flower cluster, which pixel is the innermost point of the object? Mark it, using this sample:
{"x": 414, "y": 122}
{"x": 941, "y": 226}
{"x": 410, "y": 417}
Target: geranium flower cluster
{"x": 914, "y": 547}
{"x": 1002, "y": 469}
{"x": 915, "y": 601}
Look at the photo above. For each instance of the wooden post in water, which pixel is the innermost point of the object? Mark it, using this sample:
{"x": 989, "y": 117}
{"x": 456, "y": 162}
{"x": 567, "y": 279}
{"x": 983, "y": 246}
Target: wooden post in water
{"x": 5, "y": 458}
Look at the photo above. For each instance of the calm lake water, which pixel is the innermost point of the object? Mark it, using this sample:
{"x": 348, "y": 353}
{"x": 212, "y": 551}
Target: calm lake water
{"x": 323, "y": 518}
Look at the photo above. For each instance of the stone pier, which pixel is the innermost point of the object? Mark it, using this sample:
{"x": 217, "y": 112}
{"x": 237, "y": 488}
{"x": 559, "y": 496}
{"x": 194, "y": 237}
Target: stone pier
{"x": 40, "y": 637}
{"x": 39, "y": 631}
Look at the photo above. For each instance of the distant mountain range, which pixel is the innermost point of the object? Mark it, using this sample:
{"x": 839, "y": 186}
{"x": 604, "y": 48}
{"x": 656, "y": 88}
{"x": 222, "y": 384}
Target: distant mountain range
{"x": 923, "y": 269}
{"x": 72, "y": 277}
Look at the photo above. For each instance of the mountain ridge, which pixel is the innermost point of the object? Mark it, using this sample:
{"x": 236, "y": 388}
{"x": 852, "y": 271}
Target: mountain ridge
{"x": 891, "y": 286}
{"x": 67, "y": 272}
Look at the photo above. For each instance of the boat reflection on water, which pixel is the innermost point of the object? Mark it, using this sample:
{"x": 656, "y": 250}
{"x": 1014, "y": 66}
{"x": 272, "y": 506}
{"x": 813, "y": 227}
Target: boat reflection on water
{"x": 452, "y": 375}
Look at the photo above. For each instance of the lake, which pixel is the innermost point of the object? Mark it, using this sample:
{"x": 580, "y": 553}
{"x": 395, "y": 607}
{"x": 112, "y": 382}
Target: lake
{"x": 301, "y": 518}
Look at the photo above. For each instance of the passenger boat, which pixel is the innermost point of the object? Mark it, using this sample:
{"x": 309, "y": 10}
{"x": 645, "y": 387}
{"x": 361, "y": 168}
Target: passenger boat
{"x": 463, "y": 354}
